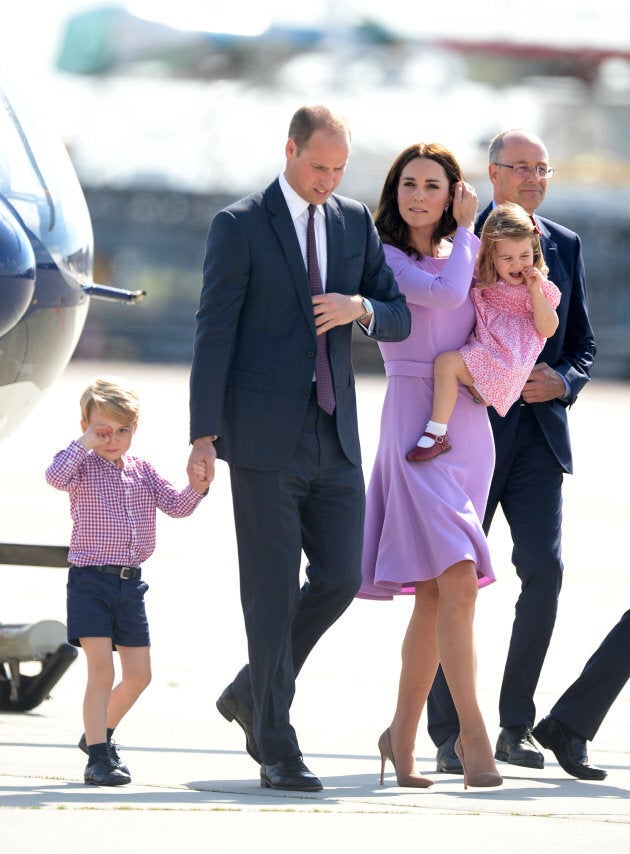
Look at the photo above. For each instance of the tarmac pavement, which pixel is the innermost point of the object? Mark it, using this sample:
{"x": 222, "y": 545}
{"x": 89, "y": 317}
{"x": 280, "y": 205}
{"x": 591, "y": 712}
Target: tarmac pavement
{"x": 193, "y": 784}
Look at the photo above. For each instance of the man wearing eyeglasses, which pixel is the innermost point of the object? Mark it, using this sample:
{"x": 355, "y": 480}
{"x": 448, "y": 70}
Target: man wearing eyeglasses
{"x": 533, "y": 452}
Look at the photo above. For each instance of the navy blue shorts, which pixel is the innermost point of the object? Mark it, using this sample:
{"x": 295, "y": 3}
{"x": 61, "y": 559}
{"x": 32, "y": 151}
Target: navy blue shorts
{"x": 105, "y": 606}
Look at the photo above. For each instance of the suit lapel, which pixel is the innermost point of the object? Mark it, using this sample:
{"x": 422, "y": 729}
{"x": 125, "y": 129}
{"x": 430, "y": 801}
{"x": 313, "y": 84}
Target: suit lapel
{"x": 334, "y": 245}
{"x": 550, "y": 253}
{"x": 546, "y": 239}
{"x": 481, "y": 218}
{"x": 281, "y": 222}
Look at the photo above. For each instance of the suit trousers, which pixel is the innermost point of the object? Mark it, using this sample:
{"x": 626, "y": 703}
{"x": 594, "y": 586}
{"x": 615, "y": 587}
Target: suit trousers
{"x": 527, "y": 483}
{"x": 314, "y": 505}
{"x": 585, "y": 704}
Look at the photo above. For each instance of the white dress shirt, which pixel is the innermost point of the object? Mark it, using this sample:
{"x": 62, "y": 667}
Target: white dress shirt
{"x": 298, "y": 208}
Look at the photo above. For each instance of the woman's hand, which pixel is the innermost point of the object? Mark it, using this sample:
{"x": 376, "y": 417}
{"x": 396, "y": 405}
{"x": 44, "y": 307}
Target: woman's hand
{"x": 465, "y": 205}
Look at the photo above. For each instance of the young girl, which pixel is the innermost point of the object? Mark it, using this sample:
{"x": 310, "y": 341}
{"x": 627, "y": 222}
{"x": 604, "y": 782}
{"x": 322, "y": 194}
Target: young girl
{"x": 515, "y": 307}
{"x": 113, "y": 499}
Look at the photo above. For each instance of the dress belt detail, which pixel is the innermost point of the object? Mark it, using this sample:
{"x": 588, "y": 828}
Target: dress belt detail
{"x": 408, "y": 368}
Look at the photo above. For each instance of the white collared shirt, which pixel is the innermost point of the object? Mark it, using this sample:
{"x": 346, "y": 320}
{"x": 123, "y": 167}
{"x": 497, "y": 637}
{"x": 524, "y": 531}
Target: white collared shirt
{"x": 298, "y": 208}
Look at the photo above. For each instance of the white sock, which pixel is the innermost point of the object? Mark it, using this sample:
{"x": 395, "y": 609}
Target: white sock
{"x": 432, "y": 427}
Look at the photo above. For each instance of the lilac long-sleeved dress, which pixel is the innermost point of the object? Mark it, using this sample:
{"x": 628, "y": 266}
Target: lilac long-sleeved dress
{"x": 423, "y": 517}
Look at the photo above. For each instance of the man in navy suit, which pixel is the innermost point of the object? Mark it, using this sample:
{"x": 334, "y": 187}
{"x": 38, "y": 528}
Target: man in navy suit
{"x": 578, "y": 714}
{"x": 257, "y": 402}
{"x": 533, "y": 452}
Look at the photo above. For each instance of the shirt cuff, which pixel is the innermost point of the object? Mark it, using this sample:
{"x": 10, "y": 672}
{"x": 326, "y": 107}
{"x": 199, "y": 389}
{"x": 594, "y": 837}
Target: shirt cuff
{"x": 566, "y": 398}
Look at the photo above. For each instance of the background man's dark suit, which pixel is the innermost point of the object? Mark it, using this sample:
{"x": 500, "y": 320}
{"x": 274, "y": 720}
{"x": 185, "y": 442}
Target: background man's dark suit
{"x": 586, "y": 702}
{"x": 578, "y": 714}
{"x": 533, "y": 451}
{"x": 251, "y": 385}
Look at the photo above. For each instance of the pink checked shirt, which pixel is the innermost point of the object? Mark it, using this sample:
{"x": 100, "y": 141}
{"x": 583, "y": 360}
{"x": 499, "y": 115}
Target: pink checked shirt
{"x": 113, "y": 510}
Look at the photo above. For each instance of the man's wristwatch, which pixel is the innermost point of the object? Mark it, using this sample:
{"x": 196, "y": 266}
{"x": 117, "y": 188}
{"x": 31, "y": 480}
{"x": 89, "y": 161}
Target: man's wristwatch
{"x": 368, "y": 312}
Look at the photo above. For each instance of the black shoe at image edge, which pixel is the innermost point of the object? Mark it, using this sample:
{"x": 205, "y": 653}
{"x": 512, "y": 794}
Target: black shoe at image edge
{"x": 568, "y": 748}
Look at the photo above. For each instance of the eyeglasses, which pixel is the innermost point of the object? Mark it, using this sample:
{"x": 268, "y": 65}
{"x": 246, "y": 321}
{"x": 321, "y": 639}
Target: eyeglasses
{"x": 526, "y": 171}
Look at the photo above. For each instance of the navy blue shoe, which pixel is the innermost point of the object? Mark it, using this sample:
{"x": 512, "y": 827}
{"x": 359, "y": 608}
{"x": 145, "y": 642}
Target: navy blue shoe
{"x": 103, "y": 772}
{"x": 113, "y": 752}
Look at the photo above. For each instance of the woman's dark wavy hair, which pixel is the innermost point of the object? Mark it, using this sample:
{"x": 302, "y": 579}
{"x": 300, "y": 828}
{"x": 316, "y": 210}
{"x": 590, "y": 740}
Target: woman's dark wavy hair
{"x": 389, "y": 223}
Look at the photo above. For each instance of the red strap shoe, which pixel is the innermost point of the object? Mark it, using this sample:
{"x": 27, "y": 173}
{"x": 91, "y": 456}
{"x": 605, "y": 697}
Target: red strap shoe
{"x": 441, "y": 445}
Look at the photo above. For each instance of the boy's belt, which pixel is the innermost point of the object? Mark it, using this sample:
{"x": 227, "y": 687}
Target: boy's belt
{"x": 127, "y": 573}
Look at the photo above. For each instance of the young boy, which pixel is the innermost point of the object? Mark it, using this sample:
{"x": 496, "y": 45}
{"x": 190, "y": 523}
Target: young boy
{"x": 113, "y": 498}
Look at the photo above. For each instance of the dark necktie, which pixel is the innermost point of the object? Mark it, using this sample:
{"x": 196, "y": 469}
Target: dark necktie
{"x": 323, "y": 374}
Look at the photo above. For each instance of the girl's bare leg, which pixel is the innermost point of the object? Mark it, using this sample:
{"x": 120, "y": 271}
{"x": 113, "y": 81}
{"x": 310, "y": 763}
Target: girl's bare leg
{"x": 449, "y": 371}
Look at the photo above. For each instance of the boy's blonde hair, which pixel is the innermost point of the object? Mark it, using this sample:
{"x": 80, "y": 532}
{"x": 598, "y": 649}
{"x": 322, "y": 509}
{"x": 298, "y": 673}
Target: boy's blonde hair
{"x": 113, "y": 397}
{"x": 506, "y": 222}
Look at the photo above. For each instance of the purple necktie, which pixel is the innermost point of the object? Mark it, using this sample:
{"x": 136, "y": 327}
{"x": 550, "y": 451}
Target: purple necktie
{"x": 323, "y": 374}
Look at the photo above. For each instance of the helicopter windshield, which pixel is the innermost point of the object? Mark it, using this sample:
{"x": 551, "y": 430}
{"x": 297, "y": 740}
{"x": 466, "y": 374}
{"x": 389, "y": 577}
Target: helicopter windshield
{"x": 35, "y": 175}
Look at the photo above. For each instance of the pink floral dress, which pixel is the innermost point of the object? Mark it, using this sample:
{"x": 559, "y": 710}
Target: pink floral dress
{"x": 504, "y": 345}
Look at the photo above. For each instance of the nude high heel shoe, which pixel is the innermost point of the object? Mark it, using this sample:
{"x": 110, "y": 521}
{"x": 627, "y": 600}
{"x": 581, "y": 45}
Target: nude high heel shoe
{"x": 411, "y": 780}
{"x": 478, "y": 778}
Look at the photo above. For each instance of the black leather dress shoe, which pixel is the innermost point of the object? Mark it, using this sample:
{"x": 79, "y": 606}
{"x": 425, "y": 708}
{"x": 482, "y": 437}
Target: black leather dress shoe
{"x": 103, "y": 772}
{"x": 113, "y": 752}
{"x": 232, "y": 710}
{"x": 290, "y": 773}
{"x": 447, "y": 760}
{"x": 569, "y": 749}
{"x": 515, "y": 746}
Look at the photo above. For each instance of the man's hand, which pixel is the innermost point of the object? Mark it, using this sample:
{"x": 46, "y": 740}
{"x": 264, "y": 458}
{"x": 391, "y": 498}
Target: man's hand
{"x": 335, "y": 309}
{"x": 200, "y": 468}
{"x": 476, "y": 396}
{"x": 543, "y": 384}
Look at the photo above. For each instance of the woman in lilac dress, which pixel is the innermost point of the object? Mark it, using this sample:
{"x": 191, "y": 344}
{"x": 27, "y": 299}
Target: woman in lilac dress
{"x": 423, "y": 532}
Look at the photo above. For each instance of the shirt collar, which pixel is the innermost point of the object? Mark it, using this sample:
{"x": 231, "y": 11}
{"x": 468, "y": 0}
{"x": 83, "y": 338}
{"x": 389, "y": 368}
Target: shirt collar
{"x": 296, "y": 204}
{"x": 531, "y": 216}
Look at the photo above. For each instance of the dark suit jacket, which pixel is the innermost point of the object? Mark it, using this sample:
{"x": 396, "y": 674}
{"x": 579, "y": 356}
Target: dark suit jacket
{"x": 571, "y": 349}
{"x": 254, "y": 351}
